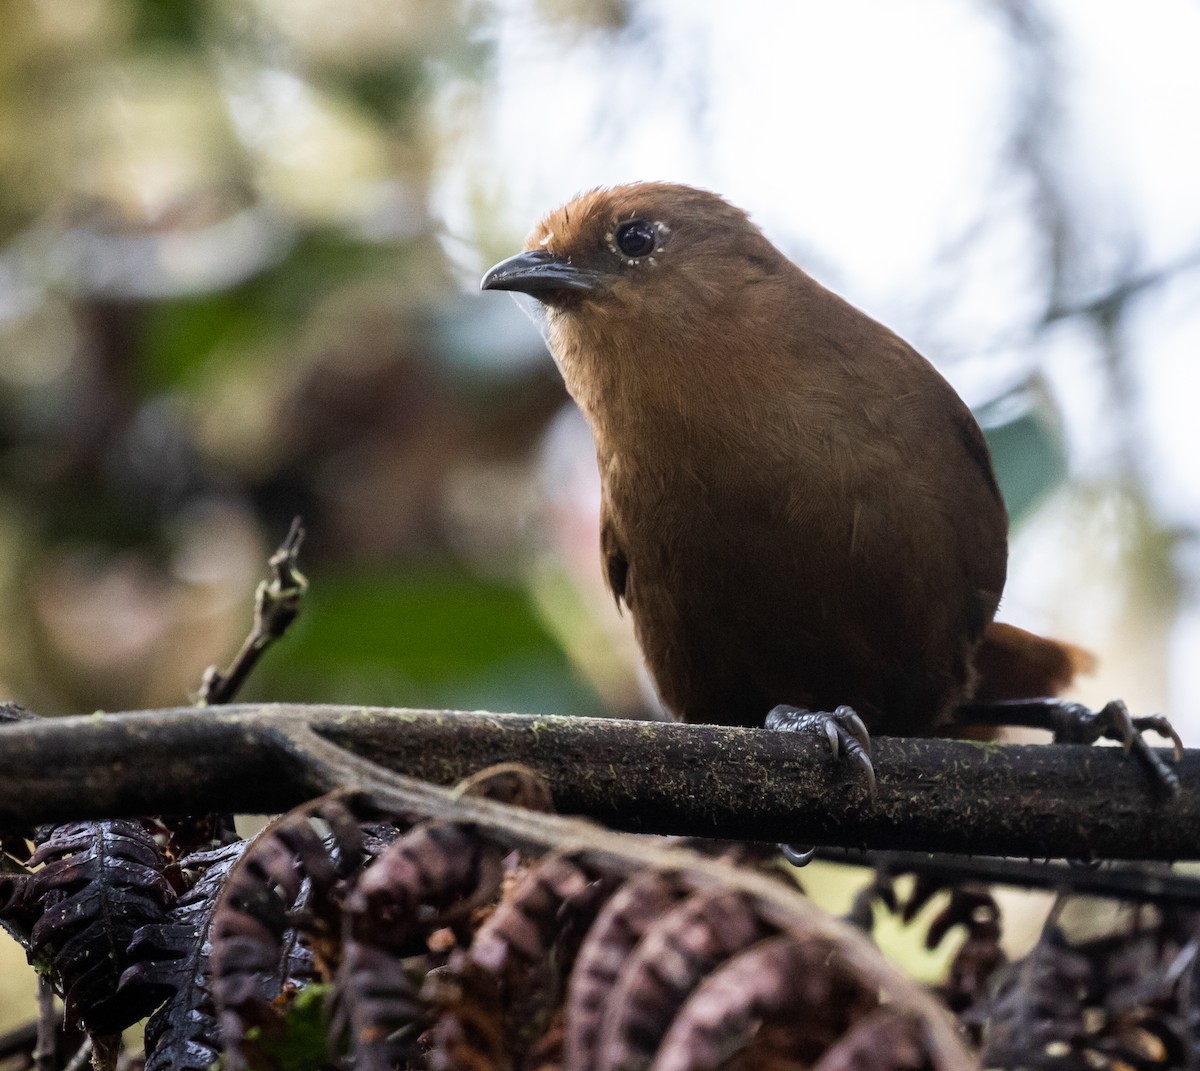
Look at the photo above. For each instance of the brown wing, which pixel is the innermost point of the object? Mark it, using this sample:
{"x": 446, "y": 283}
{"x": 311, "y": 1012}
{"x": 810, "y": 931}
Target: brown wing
{"x": 976, "y": 447}
{"x": 616, "y": 565}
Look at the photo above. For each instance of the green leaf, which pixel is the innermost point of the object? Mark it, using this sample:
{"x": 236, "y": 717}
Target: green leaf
{"x": 441, "y": 636}
{"x": 1028, "y": 453}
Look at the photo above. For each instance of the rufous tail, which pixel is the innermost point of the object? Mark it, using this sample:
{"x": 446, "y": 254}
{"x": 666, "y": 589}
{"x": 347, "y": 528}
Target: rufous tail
{"x": 1014, "y": 664}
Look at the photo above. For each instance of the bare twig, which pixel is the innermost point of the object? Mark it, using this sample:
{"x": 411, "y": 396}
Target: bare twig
{"x": 19, "y": 1041}
{"x": 81, "y": 1058}
{"x": 276, "y": 605}
{"x": 1122, "y": 291}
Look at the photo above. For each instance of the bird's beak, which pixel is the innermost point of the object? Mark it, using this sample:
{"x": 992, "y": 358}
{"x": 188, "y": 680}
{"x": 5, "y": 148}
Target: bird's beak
{"x": 535, "y": 272}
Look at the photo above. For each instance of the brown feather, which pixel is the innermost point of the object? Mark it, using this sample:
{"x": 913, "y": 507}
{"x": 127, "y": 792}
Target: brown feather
{"x": 797, "y": 507}
{"x": 1014, "y": 664}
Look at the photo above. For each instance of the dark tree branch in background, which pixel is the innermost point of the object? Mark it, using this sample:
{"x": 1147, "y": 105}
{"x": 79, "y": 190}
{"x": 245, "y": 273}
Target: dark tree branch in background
{"x": 709, "y": 781}
{"x": 1112, "y": 302}
{"x": 1138, "y": 884}
{"x": 21, "y": 1039}
{"x": 44, "y": 1054}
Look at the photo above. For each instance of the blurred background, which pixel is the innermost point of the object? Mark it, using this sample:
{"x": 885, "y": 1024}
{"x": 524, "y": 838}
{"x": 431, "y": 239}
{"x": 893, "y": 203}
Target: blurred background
{"x": 239, "y": 249}
{"x": 240, "y": 243}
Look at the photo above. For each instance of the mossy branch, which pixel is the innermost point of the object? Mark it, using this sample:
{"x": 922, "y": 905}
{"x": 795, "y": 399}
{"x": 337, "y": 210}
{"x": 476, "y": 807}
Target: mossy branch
{"x": 934, "y": 795}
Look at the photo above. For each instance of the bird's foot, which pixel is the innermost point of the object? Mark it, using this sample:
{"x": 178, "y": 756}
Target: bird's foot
{"x": 848, "y": 740}
{"x": 844, "y": 729}
{"x": 1073, "y": 723}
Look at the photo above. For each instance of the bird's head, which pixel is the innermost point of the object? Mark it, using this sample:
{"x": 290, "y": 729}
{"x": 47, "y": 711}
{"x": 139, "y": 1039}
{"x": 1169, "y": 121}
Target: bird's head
{"x": 661, "y": 302}
{"x": 639, "y": 250}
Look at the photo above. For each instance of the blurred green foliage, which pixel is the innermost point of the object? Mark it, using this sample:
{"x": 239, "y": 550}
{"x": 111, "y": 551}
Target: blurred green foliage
{"x": 434, "y": 637}
{"x": 219, "y": 285}
{"x": 1027, "y": 450}
{"x": 224, "y": 301}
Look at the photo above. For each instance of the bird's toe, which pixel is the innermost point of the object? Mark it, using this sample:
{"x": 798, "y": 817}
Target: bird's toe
{"x": 848, "y": 738}
{"x": 1074, "y": 723}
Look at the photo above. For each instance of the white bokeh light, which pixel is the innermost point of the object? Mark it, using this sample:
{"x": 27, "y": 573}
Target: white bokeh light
{"x": 869, "y": 139}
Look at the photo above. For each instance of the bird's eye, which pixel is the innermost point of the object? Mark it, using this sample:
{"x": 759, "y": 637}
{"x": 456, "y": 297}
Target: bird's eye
{"x": 637, "y": 238}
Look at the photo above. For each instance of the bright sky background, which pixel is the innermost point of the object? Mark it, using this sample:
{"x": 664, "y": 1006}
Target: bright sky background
{"x": 866, "y": 137}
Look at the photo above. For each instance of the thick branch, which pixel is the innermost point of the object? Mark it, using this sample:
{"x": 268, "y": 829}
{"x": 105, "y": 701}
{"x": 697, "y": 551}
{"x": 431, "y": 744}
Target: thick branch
{"x": 934, "y": 795}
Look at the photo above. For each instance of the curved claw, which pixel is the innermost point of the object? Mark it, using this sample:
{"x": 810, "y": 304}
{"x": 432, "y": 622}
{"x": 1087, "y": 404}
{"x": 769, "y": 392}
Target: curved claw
{"x": 833, "y": 734}
{"x": 848, "y": 718}
{"x": 798, "y": 856}
{"x": 1165, "y": 775}
{"x": 1158, "y": 723}
{"x": 859, "y": 755}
